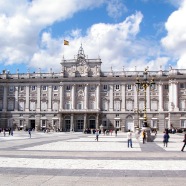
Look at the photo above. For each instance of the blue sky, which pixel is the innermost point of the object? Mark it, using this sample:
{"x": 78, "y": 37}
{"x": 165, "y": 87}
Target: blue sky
{"x": 132, "y": 34}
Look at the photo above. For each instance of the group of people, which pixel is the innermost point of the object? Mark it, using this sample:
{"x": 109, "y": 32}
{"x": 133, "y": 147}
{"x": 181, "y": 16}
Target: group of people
{"x": 9, "y": 130}
{"x": 144, "y": 137}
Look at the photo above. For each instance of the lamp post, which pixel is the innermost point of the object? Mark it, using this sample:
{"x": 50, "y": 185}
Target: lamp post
{"x": 144, "y": 83}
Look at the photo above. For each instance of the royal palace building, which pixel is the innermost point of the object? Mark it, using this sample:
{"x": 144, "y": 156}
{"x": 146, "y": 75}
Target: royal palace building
{"x": 83, "y": 96}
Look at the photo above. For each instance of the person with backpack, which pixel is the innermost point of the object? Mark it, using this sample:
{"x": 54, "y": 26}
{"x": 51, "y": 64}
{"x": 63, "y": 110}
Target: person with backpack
{"x": 166, "y": 138}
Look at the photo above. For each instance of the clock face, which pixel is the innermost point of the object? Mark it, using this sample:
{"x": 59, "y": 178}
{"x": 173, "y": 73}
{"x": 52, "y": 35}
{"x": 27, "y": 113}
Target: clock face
{"x": 81, "y": 60}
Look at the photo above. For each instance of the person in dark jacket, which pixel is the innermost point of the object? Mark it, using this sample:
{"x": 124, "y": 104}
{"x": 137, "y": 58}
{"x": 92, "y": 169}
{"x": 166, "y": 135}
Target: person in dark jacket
{"x": 184, "y": 140}
{"x": 166, "y": 139}
{"x": 29, "y": 132}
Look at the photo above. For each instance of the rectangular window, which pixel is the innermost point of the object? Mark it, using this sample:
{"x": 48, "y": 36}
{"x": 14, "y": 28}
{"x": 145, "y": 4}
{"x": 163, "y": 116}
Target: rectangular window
{"x": 117, "y": 123}
{"x": 11, "y": 88}
{"x": 68, "y": 87}
{"x": 21, "y": 88}
{"x": 43, "y": 123}
{"x": 129, "y": 87}
{"x": 79, "y": 106}
{"x": 105, "y": 87}
{"x": 154, "y": 123}
{"x": 183, "y": 123}
{"x": 117, "y": 87}
{"x": 33, "y": 88}
{"x": 55, "y": 87}
{"x": 21, "y": 123}
{"x": 44, "y": 87}
{"x": 166, "y": 87}
{"x": 67, "y": 106}
{"x": 117, "y": 105}
{"x": 181, "y": 85}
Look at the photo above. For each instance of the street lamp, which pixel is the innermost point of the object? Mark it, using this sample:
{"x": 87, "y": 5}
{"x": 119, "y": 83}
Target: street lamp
{"x": 144, "y": 84}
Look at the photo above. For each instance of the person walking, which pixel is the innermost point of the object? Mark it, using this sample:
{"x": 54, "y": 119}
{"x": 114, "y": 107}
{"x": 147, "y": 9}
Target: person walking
{"x": 4, "y": 132}
{"x": 97, "y": 135}
{"x": 116, "y": 131}
{"x": 184, "y": 140}
{"x": 129, "y": 137}
{"x": 12, "y": 132}
{"x": 29, "y": 132}
{"x": 144, "y": 136}
{"x": 166, "y": 138}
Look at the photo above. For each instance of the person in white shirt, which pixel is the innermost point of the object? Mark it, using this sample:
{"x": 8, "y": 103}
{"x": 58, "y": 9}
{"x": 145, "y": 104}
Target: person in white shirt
{"x": 129, "y": 137}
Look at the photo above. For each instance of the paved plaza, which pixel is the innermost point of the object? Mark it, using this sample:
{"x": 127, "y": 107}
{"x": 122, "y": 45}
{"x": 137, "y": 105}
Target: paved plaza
{"x": 78, "y": 159}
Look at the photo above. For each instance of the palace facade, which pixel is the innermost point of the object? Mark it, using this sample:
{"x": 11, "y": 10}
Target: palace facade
{"x": 83, "y": 96}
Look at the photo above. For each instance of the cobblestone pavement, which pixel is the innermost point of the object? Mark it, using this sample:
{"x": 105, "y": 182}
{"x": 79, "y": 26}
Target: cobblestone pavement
{"x": 78, "y": 159}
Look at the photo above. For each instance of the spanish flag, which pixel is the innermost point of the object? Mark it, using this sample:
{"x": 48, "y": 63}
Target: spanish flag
{"x": 66, "y": 42}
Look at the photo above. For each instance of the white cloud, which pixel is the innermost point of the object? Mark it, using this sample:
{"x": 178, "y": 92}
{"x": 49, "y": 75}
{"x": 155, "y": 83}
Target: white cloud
{"x": 118, "y": 46}
{"x": 21, "y": 22}
{"x": 23, "y": 40}
{"x": 175, "y": 41}
{"x": 116, "y": 8}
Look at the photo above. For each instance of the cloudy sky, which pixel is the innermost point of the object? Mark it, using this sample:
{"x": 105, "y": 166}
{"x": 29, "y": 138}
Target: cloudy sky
{"x": 130, "y": 33}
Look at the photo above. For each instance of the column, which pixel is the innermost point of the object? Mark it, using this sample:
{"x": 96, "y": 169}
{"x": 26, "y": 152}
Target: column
{"x": 86, "y": 96}
{"x": 97, "y": 121}
{"x": 170, "y": 96}
{"x": 73, "y": 96}
{"x": 148, "y": 98}
{"x": 72, "y": 123}
{"x": 61, "y": 97}
{"x": 123, "y": 98}
{"x": 136, "y": 101}
{"x": 49, "y": 98}
{"x": 16, "y": 98}
{"x": 98, "y": 96}
{"x": 175, "y": 90}
{"x": 60, "y": 116}
{"x": 5, "y": 99}
{"x": 27, "y": 98}
{"x": 85, "y": 121}
{"x": 160, "y": 92}
{"x": 111, "y": 98}
{"x": 38, "y": 97}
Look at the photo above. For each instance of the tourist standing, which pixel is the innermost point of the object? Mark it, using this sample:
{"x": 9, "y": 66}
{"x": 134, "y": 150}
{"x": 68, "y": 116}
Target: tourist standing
{"x": 144, "y": 136}
{"x": 116, "y": 131}
{"x": 97, "y": 135}
{"x": 12, "y": 132}
{"x": 29, "y": 132}
{"x": 4, "y": 132}
{"x": 166, "y": 138}
{"x": 129, "y": 137}
{"x": 184, "y": 140}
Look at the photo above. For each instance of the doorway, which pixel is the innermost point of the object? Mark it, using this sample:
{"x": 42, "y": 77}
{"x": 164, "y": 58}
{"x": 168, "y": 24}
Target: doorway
{"x": 32, "y": 124}
{"x": 92, "y": 124}
{"x": 67, "y": 125}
